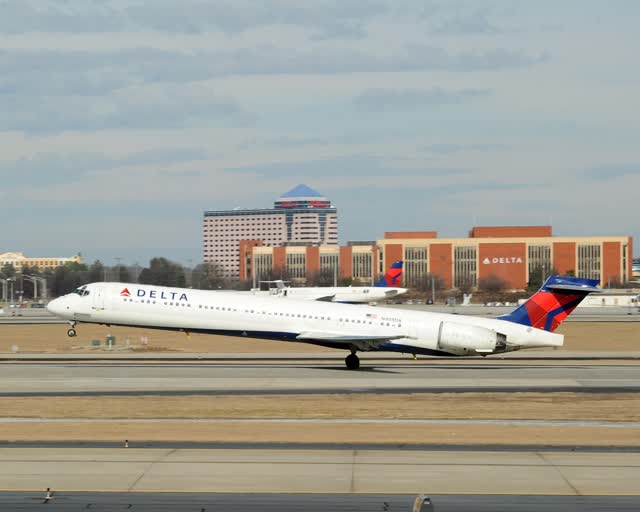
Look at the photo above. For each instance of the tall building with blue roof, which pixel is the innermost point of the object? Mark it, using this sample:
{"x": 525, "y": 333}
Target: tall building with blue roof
{"x": 300, "y": 216}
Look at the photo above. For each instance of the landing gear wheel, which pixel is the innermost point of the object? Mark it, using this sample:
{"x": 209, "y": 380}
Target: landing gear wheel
{"x": 352, "y": 361}
{"x": 71, "y": 333}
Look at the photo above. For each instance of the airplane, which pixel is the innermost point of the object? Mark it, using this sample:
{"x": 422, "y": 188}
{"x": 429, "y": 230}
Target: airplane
{"x": 385, "y": 288}
{"x": 341, "y": 326}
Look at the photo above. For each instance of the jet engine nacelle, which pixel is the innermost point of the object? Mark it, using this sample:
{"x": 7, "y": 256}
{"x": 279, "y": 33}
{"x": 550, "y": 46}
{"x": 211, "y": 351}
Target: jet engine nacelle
{"x": 461, "y": 339}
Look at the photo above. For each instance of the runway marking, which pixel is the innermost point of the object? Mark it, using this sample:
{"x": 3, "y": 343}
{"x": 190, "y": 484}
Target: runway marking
{"x": 339, "y": 421}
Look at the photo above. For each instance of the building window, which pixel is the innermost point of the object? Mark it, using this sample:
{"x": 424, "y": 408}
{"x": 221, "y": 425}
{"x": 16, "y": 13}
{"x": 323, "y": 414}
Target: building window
{"x": 363, "y": 266}
{"x": 540, "y": 261}
{"x": 263, "y": 265}
{"x": 465, "y": 266}
{"x": 297, "y": 265}
{"x": 625, "y": 263}
{"x": 415, "y": 265}
{"x": 589, "y": 261}
{"x": 329, "y": 264}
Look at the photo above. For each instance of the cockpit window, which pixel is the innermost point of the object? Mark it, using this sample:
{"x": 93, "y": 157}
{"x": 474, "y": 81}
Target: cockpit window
{"x": 82, "y": 291}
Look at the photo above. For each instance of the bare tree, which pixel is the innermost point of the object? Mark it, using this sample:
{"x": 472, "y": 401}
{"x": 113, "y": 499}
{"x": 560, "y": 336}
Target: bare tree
{"x": 538, "y": 275}
{"x": 207, "y": 276}
{"x": 465, "y": 283}
{"x": 492, "y": 284}
{"x": 324, "y": 277}
{"x": 428, "y": 282}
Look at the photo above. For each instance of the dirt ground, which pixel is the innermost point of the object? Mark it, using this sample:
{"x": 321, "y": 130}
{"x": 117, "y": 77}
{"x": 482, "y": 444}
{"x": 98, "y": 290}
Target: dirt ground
{"x": 459, "y": 406}
{"x": 351, "y": 433}
{"x": 52, "y": 338}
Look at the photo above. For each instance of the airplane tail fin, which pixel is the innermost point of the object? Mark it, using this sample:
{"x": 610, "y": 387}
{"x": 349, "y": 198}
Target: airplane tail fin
{"x": 553, "y": 303}
{"x": 392, "y": 278}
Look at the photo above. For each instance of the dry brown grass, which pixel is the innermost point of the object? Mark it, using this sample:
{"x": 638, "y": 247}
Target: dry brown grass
{"x": 531, "y": 406}
{"x": 354, "y": 433}
{"x": 580, "y": 336}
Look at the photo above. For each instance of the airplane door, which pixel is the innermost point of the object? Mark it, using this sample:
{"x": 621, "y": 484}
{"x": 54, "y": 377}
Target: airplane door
{"x": 98, "y": 298}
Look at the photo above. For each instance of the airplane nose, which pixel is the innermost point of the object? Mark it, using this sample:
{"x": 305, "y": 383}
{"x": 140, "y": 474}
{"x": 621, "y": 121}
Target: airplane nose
{"x": 55, "y": 307}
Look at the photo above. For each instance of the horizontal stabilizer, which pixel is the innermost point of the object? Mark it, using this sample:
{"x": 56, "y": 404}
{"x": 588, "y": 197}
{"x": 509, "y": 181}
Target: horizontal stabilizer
{"x": 574, "y": 288}
{"x": 553, "y": 303}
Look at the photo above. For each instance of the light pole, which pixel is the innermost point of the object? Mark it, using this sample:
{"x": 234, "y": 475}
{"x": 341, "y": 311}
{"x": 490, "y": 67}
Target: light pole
{"x": 33, "y": 281}
{"x": 43, "y": 285}
{"x": 4, "y": 289}
{"x": 11, "y": 280}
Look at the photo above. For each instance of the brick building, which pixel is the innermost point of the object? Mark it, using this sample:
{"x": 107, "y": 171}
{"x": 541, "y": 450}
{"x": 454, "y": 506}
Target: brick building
{"x": 510, "y": 253}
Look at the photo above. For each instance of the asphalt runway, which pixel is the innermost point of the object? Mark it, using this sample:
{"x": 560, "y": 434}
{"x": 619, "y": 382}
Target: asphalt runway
{"x": 112, "y": 378}
{"x": 209, "y": 502}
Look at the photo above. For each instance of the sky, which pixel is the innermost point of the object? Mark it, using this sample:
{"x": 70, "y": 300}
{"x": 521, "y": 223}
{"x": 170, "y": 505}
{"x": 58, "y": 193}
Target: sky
{"x": 121, "y": 121}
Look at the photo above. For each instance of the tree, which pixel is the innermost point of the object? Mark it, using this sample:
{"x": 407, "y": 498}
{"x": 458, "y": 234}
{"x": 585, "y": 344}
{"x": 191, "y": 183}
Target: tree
{"x": 427, "y": 282}
{"x": 538, "y": 275}
{"x": 465, "y": 283}
{"x": 162, "y": 272}
{"x": 492, "y": 284}
{"x": 121, "y": 274}
{"x": 74, "y": 266}
{"x": 207, "y": 276}
{"x": 345, "y": 281}
{"x": 28, "y": 287}
{"x": 67, "y": 278}
{"x": 8, "y": 270}
{"x": 324, "y": 277}
{"x": 96, "y": 272}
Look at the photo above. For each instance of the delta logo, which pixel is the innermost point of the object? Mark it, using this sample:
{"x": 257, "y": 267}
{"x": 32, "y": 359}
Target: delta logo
{"x": 154, "y": 294}
{"x": 502, "y": 261}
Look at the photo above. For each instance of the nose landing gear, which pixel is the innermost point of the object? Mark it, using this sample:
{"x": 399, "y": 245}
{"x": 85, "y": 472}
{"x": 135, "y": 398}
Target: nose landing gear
{"x": 72, "y": 331}
{"x": 352, "y": 361}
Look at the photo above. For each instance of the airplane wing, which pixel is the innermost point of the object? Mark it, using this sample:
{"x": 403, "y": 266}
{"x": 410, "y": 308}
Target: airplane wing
{"x": 360, "y": 342}
{"x": 326, "y": 298}
{"x": 395, "y": 291}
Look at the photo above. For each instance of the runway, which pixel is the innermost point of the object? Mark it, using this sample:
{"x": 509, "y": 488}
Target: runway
{"x": 209, "y": 502}
{"x": 319, "y": 471}
{"x": 88, "y": 379}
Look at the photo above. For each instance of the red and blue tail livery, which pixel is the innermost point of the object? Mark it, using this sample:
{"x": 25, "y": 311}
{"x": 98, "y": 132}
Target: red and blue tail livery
{"x": 553, "y": 303}
{"x": 393, "y": 276}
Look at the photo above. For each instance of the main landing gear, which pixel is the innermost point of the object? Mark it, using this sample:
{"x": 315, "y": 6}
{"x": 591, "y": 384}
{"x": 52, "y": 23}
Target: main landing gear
{"x": 72, "y": 331}
{"x": 352, "y": 361}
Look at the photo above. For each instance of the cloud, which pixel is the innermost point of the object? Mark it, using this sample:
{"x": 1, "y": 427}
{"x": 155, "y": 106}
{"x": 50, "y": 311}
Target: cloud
{"x": 134, "y": 108}
{"x": 396, "y": 99}
{"x": 47, "y": 169}
{"x": 606, "y": 172}
{"x": 355, "y": 166}
{"x": 467, "y": 23}
{"x": 58, "y": 72}
{"x": 186, "y": 17}
{"x": 459, "y": 148}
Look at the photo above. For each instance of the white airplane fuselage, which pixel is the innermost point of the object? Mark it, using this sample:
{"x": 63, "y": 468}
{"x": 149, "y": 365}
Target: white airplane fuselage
{"x": 344, "y": 294}
{"x": 349, "y": 327}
